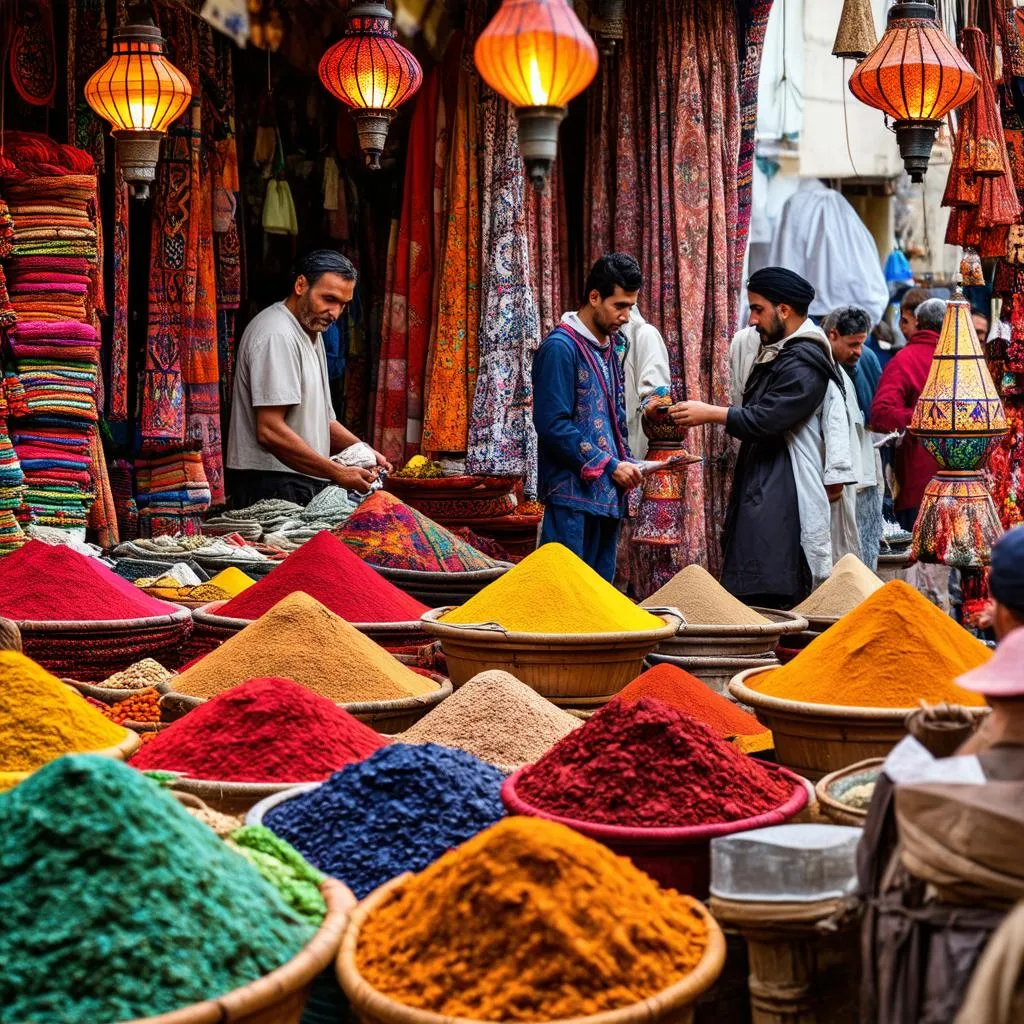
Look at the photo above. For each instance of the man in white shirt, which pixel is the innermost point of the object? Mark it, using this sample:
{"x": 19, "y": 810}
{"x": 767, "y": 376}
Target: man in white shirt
{"x": 283, "y": 429}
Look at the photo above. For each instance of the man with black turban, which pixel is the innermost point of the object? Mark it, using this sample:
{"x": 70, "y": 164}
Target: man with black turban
{"x": 793, "y": 460}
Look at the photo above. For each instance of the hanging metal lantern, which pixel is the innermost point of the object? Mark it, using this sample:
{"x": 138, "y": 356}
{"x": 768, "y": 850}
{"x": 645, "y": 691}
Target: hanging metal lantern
{"x": 609, "y": 25}
{"x": 141, "y": 93}
{"x": 371, "y": 72}
{"x": 916, "y": 76}
{"x": 538, "y": 56}
{"x": 856, "y": 37}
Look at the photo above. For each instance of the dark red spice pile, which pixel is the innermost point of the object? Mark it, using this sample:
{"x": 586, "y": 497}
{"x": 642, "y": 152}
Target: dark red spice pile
{"x": 44, "y": 583}
{"x": 264, "y": 730}
{"x": 326, "y": 569}
{"x": 648, "y": 765}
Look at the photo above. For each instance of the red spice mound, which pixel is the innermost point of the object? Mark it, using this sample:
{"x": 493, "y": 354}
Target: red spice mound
{"x": 648, "y": 765}
{"x": 44, "y": 583}
{"x": 326, "y": 569}
{"x": 264, "y": 730}
{"x": 677, "y": 688}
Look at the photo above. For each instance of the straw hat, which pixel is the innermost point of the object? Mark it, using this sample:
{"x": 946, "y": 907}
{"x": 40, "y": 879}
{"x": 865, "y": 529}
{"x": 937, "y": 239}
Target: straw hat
{"x": 1003, "y": 676}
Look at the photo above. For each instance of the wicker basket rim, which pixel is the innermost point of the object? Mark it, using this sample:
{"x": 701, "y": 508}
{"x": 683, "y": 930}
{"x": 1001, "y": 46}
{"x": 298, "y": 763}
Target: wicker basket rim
{"x": 382, "y": 1008}
{"x": 807, "y": 709}
{"x": 203, "y": 788}
{"x": 702, "y": 661}
{"x": 288, "y": 978}
{"x": 254, "y": 816}
{"x": 782, "y": 622}
{"x": 823, "y": 787}
{"x": 113, "y": 693}
{"x": 206, "y": 614}
{"x": 494, "y": 634}
{"x": 793, "y": 804}
{"x": 414, "y": 701}
{"x": 451, "y": 578}
{"x": 174, "y": 618}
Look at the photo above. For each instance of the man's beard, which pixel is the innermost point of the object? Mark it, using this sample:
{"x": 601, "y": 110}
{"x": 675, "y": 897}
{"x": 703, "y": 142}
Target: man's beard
{"x": 312, "y": 321}
{"x": 773, "y": 334}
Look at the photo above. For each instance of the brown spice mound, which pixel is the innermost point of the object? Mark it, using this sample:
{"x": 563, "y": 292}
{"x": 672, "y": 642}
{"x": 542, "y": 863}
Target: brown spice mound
{"x": 703, "y": 600}
{"x": 300, "y": 639}
{"x": 497, "y": 718}
{"x": 850, "y": 583}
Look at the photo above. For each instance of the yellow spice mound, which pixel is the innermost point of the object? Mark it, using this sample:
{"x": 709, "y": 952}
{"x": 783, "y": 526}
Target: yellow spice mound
{"x": 553, "y": 591}
{"x": 41, "y": 718}
{"x": 703, "y": 600}
{"x": 300, "y": 639}
{"x": 891, "y": 651}
{"x": 850, "y": 583}
{"x": 232, "y": 580}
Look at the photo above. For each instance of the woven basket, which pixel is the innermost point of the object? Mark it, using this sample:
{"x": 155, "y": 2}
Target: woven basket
{"x": 279, "y": 997}
{"x": 236, "y": 798}
{"x": 436, "y": 589}
{"x": 834, "y": 785}
{"x": 256, "y": 813}
{"x": 386, "y": 716}
{"x": 695, "y": 641}
{"x": 816, "y": 739}
{"x": 112, "y": 695}
{"x": 714, "y": 673}
{"x": 672, "y": 1006}
{"x": 574, "y": 669}
{"x": 387, "y": 634}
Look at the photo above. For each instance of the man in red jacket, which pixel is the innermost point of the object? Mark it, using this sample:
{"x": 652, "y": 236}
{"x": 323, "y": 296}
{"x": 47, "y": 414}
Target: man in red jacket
{"x": 902, "y": 382}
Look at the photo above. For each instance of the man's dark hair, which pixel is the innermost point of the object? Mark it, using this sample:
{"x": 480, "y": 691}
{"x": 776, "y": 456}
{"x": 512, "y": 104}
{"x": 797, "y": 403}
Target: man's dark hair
{"x": 883, "y": 332}
{"x": 847, "y": 320}
{"x": 913, "y": 297}
{"x": 315, "y": 264}
{"x": 613, "y": 268}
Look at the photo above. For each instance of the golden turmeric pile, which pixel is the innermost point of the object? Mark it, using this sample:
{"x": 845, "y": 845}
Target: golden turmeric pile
{"x": 41, "y": 718}
{"x": 893, "y": 649}
{"x": 530, "y": 921}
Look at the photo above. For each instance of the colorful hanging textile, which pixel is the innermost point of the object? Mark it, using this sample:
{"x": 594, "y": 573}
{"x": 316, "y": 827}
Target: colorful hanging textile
{"x": 118, "y": 395}
{"x": 548, "y": 257}
{"x": 666, "y": 143}
{"x": 452, "y": 361}
{"x": 408, "y": 302}
{"x": 754, "y": 28}
{"x": 502, "y": 439}
{"x": 32, "y": 59}
{"x": 87, "y": 50}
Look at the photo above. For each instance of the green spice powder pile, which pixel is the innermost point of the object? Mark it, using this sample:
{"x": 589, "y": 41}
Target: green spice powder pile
{"x": 115, "y": 903}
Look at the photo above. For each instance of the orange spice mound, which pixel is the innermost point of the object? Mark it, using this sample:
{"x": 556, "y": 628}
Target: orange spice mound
{"x": 677, "y": 688}
{"x": 894, "y": 649}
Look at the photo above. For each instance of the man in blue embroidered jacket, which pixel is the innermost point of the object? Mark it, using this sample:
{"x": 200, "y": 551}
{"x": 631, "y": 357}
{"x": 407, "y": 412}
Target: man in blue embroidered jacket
{"x": 579, "y": 410}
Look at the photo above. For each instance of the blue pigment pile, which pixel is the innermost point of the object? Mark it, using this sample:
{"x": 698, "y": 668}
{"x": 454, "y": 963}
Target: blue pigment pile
{"x": 398, "y": 810}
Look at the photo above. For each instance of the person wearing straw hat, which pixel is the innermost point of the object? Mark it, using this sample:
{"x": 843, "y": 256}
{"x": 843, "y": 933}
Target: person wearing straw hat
{"x": 1001, "y": 682}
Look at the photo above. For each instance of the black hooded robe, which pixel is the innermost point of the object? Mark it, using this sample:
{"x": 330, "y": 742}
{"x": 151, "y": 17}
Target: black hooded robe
{"x": 764, "y": 562}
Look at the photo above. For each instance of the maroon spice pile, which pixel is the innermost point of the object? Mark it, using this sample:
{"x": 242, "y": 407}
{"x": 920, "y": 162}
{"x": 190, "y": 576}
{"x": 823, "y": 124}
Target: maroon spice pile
{"x": 264, "y": 730}
{"x": 326, "y": 569}
{"x": 43, "y": 583}
{"x": 648, "y": 765}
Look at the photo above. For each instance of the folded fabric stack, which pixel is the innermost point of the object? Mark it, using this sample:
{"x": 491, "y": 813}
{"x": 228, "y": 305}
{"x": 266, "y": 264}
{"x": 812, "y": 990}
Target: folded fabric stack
{"x": 172, "y": 492}
{"x": 57, "y": 363}
{"x": 11, "y": 481}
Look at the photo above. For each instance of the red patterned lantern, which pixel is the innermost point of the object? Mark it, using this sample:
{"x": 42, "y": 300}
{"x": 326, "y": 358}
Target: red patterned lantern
{"x": 538, "y": 55}
{"x": 372, "y": 73}
{"x": 916, "y": 76}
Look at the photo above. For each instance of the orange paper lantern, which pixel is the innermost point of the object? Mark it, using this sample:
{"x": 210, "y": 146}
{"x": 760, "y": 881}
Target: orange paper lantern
{"x": 372, "y": 73}
{"x": 538, "y": 55}
{"x": 916, "y": 76}
{"x": 141, "y": 93}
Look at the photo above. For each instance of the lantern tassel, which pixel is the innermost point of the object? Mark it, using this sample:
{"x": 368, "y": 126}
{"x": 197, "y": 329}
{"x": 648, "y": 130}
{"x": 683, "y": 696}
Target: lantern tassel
{"x": 856, "y": 37}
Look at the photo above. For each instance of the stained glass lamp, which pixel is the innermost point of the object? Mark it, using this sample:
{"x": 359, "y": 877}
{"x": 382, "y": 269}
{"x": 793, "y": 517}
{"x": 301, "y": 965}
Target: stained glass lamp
{"x": 916, "y": 76}
{"x": 958, "y": 417}
{"x": 370, "y": 71}
{"x": 538, "y": 55}
{"x": 141, "y": 93}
